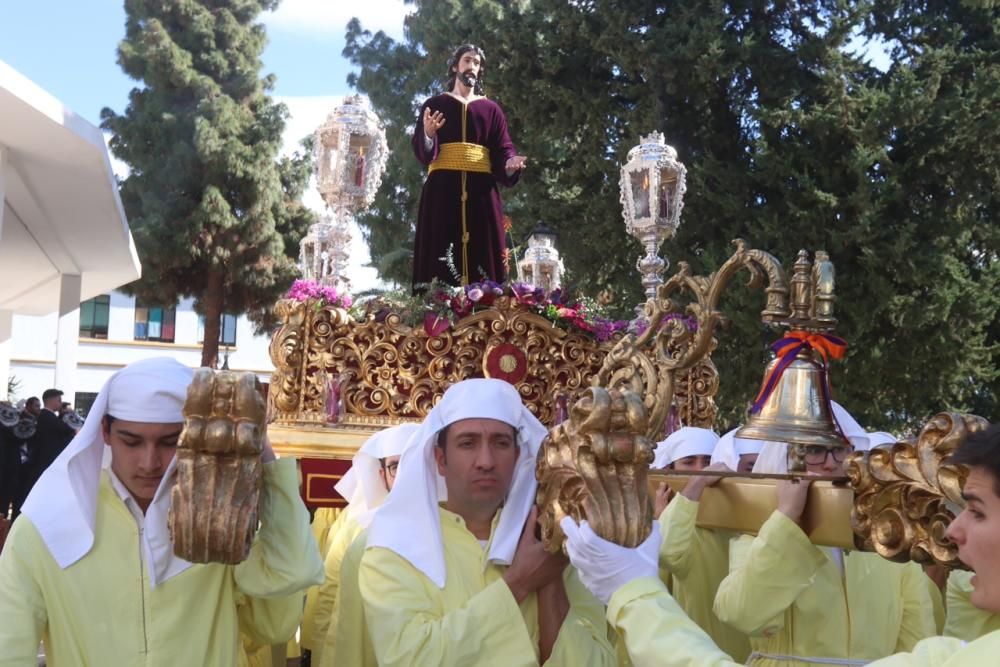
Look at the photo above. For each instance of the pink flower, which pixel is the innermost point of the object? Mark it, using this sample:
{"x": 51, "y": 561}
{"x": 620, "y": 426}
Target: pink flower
{"x": 474, "y": 294}
{"x": 435, "y": 325}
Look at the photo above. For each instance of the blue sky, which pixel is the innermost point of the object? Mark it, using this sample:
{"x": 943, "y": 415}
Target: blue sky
{"x": 68, "y": 47}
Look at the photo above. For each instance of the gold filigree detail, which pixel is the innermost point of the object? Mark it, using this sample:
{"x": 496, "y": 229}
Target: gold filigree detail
{"x": 906, "y": 496}
{"x": 394, "y": 371}
{"x": 651, "y": 364}
{"x": 594, "y": 466}
{"x": 695, "y": 394}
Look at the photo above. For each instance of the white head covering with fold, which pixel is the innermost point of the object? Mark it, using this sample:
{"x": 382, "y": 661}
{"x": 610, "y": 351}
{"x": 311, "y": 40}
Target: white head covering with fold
{"x": 730, "y": 448}
{"x": 63, "y": 503}
{"x": 774, "y": 455}
{"x": 362, "y": 486}
{"x": 686, "y": 441}
{"x": 881, "y": 439}
{"x": 408, "y": 522}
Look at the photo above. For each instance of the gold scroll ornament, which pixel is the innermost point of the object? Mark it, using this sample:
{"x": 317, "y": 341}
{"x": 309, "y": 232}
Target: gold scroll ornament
{"x": 647, "y": 371}
{"x": 393, "y": 372}
{"x": 595, "y": 466}
{"x": 906, "y": 496}
{"x": 213, "y": 504}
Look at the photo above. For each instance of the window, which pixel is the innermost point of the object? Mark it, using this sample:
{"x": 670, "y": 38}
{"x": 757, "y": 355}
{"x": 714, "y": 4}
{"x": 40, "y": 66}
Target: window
{"x": 154, "y": 323}
{"x": 94, "y": 314}
{"x": 227, "y": 330}
{"x": 82, "y": 402}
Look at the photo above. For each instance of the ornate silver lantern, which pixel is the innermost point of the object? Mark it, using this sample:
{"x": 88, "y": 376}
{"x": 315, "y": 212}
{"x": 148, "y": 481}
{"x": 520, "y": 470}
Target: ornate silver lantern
{"x": 350, "y": 155}
{"x": 542, "y": 266}
{"x": 324, "y": 252}
{"x": 652, "y": 196}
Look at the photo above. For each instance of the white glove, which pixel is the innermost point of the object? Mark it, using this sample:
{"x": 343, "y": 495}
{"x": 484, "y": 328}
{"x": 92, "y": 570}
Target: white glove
{"x": 604, "y": 566}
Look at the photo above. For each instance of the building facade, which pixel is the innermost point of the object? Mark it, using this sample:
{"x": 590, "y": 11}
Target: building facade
{"x": 116, "y": 330}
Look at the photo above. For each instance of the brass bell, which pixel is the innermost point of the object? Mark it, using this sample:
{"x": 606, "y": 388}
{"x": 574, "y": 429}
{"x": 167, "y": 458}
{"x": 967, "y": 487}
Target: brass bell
{"x": 798, "y": 410}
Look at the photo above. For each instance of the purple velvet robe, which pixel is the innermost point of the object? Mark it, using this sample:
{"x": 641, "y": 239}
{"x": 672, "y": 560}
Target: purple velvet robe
{"x": 439, "y": 224}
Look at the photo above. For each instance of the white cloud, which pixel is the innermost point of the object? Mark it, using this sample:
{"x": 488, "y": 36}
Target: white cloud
{"x": 305, "y": 115}
{"x": 331, "y": 16}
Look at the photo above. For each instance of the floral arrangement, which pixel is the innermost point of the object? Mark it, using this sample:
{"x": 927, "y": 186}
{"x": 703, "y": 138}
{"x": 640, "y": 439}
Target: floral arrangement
{"x": 440, "y": 306}
{"x": 306, "y": 290}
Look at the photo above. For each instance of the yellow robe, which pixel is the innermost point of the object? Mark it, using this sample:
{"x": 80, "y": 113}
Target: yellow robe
{"x": 963, "y": 619}
{"x": 698, "y": 560}
{"x": 341, "y": 535}
{"x": 937, "y": 605}
{"x": 658, "y": 634}
{"x": 474, "y": 619}
{"x": 102, "y": 611}
{"x": 323, "y": 523}
{"x": 348, "y": 643}
{"x": 789, "y": 596}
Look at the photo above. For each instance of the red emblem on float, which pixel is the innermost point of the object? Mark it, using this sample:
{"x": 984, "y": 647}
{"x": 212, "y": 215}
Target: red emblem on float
{"x": 505, "y": 362}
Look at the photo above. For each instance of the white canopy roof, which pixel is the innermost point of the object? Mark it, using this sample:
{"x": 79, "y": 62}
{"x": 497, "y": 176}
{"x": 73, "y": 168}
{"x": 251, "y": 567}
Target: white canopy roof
{"x": 61, "y": 211}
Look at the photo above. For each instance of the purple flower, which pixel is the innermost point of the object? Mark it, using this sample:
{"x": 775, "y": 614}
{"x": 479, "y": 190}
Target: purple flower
{"x": 474, "y": 294}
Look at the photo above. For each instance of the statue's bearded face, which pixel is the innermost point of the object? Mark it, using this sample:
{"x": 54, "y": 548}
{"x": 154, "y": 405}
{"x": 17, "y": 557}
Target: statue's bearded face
{"x": 468, "y": 68}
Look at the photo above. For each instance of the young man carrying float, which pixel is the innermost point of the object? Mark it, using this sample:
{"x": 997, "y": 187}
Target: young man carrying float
{"x": 90, "y": 567}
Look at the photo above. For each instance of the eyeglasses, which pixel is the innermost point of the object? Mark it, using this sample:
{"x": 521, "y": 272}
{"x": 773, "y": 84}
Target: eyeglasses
{"x": 815, "y": 455}
{"x": 391, "y": 469}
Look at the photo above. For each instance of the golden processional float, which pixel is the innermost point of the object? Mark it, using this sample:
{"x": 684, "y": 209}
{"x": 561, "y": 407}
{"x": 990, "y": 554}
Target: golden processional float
{"x": 337, "y": 381}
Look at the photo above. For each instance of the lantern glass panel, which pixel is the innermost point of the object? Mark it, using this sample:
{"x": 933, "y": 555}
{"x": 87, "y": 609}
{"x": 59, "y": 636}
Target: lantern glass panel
{"x": 667, "y": 192}
{"x": 358, "y": 148}
{"x": 639, "y": 180}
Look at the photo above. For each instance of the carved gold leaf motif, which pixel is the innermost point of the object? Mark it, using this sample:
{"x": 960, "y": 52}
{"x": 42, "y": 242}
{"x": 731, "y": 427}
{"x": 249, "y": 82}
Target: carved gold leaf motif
{"x": 213, "y": 504}
{"x": 398, "y": 372}
{"x": 906, "y": 496}
{"x": 594, "y": 466}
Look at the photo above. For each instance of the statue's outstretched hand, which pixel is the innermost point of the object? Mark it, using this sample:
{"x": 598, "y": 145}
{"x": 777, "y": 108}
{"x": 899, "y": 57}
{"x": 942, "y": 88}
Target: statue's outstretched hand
{"x": 516, "y": 163}
{"x": 433, "y": 120}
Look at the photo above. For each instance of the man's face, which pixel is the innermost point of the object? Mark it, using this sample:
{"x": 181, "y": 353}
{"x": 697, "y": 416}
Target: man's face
{"x": 388, "y": 471}
{"x": 477, "y": 462}
{"x": 976, "y": 531}
{"x": 822, "y": 460}
{"x": 746, "y": 462}
{"x": 54, "y": 403}
{"x": 140, "y": 454}
{"x": 696, "y": 462}
{"x": 34, "y": 407}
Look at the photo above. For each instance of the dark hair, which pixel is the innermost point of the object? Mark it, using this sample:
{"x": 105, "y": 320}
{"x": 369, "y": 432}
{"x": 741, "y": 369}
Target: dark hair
{"x": 33, "y": 399}
{"x": 49, "y": 393}
{"x": 453, "y": 65}
{"x": 981, "y": 449}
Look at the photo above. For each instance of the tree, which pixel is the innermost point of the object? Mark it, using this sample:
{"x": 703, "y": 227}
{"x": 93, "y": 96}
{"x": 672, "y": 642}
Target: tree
{"x": 791, "y": 139}
{"x": 214, "y": 213}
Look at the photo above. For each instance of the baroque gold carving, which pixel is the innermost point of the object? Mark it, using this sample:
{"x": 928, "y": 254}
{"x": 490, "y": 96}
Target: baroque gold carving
{"x": 594, "y": 466}
{"x": 906, "y": 496}
{"x": 651, "y": 364}
{"x": 396, "y": 372}
{"x": 213, "y": 504}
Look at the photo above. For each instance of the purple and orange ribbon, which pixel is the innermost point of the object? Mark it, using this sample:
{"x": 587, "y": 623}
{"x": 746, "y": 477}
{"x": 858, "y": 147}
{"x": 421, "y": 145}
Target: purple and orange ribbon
{"x": 786, "y": 349}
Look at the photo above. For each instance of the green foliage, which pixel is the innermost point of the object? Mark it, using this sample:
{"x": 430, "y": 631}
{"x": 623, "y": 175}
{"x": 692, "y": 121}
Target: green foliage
{"x": 214, "y": 212}
{"x": 791, "y": 139}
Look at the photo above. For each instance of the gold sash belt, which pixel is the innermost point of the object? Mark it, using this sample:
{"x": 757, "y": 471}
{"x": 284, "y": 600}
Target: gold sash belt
{"x": 462, "y": 156}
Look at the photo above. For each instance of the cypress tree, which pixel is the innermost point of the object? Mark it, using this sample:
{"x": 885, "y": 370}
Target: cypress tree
{"x": 214, "y": 212}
